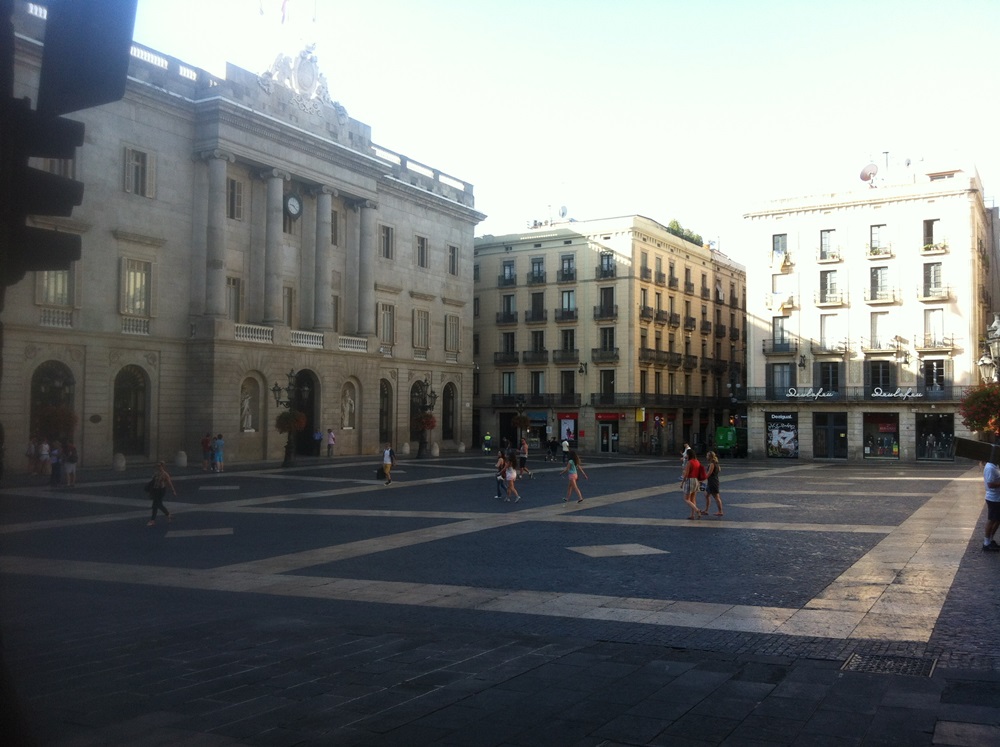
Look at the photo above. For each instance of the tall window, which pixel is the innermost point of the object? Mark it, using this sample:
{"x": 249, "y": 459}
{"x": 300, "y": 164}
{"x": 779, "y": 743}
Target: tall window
{"x": 234, "y": 199}
{"x": 453, "y": 260}
{"x": 828, "y": 287}
{"x": 288, "y": 306}
{"x": 387, "y": 242}
{"x": 387, "y": 323}
{"x": 538, "y": 382}
{"x": 508, "y": 343}
{"x": 829, "y": 331}
{"x": 508, "y": 305}
{"x": 933, "y": 327}
{"x": 779, "y": 249}
{"x": 422, "y": 258}
{"x": 508, "y": 382}
{"x": 568, "y": 300}
{"x": 879, "y": 329}
{"x": 934, "y": 374}
{"x": 55, "y": 287}
{"x": 568, "y": 338}
{"x": 932, "y": 278}
{"x": 136, "y": 287}
{"x": 607, "y": 261}
{"x": 880, "y": 375}
{"x": 879, "y": 277}
{"x": 829, "y": 375}
{"x": 826, "y": 248}
{"x": 779, "y": 334}
{"x": 452, "y": 333}
{"x": 335, "y": 308}
{"x": 538, "y": 341}
{"x": 421, "y": 329}
{"x": 607, "y": 338}
{"x": 781, "y": 376}
{"x": 233, "y": 295}
{"x": 508, "y": 270}
{"x": 876, "y": 237}
{"x": 139, "y": 173}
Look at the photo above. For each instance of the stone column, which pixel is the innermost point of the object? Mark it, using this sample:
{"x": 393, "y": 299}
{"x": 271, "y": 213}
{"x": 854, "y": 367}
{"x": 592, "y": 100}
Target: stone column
{"x": 366, "y": 269}
{"x": 215, "y": 253}
{"x": 352, "y": 241}
{"x": 275, "y": 179}
{"x": 322, "y": 309}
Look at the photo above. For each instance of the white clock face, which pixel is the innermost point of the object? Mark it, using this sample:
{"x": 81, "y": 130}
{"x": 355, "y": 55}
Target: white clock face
{"x": 293, "y": 205}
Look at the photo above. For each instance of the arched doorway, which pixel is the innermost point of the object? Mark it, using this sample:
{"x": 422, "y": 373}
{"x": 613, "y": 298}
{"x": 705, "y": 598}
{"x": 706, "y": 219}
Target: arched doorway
{"x": 52, "y": 389}
{"x": 130, "y": 415}
{"x": 448, "y": 410}
{"x": 384, "y": 412}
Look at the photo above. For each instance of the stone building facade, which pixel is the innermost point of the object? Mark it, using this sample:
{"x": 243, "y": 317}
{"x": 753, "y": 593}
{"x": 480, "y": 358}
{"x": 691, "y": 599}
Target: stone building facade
{"x": 237, "y": 231}
{"x": 867, "y": 316}
{"x": 616, "y": 331}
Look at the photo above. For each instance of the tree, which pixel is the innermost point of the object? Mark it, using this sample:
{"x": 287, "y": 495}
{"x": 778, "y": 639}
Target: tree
{"x": 980, "y": 408}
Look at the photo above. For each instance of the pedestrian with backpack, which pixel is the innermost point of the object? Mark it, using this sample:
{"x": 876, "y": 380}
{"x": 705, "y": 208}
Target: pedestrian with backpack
{"x": 693, "y": 474}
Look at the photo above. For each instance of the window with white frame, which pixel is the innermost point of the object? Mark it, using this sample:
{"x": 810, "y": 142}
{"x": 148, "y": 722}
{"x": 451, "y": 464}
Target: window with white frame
{"x": 826, "y": 247}
{"x": 387, "y": 242}
{"x": 452, "y": 333}
{"x": 139, "y": 178}
{"x": 453, "y": 260}
{"x": 421, "y": 329}
{"x": 387, "y": 323}
{"x": 234, "y": 199}
{"x": 879, "y": 330}
{"x": 568, "y": 300}
{"x": 136, "y": 287}
{"x": 508, "y": 382}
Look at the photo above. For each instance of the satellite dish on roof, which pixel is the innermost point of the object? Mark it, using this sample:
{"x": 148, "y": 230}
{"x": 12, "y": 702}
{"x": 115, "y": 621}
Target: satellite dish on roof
{"x": 868, "y": 172}
{"x": 563, "y": 211}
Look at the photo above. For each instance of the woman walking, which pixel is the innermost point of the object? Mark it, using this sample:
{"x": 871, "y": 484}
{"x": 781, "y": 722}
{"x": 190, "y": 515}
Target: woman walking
{"x": 523, "y": 459}
{"x": 689, "y": 482}
{"x": 158, "y": 488}
{"x": 573, "y": 468}
{"x": 510, "y": 475}
{"x": 712, "y": 491}
{"x": 501, "y": 476}
{"x": 219, "y": 446}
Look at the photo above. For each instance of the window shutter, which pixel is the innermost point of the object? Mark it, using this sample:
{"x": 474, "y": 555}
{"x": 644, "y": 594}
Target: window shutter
{"x": 152, "y": 290}
{"x": 151, "y": 176}
{"x": 126, "y": 168}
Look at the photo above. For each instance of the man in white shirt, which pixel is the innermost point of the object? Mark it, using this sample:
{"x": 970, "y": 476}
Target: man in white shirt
{"x": 991, "y": 478}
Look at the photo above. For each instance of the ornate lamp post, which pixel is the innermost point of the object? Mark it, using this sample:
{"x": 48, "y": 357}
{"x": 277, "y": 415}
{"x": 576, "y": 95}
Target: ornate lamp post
{"x": 292, "y": 420}
{"x": 989, "y": 363}
{"x": 423, "y": 399}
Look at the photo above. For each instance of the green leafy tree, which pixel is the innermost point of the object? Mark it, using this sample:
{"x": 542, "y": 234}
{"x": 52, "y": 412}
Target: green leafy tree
{"x": 980, "y": 409}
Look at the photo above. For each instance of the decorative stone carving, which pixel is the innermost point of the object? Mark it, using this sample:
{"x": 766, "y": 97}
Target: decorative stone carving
{"x": 302, "y": 76}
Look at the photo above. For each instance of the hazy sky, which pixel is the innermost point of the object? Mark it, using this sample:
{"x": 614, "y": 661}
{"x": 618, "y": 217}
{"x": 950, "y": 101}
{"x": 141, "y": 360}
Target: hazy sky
{"x": 694, "y": 110}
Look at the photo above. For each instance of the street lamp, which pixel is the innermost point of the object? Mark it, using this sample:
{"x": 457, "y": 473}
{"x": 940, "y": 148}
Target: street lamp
{"x": 292, "y": 392}
{"x": 423, "y": 399}
{"x": 519, "y": 403}
{"x": 987, "y": 364}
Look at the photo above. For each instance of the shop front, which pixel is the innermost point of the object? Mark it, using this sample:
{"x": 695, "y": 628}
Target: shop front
{"x": 830, "y": 435}
{"x": 608, "y": 432}
{"x": 782, "y": 434}
{"x": 935, "y": 436}
{"x": 880, "y": 435}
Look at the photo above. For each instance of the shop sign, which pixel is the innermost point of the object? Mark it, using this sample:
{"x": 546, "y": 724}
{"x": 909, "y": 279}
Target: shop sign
{"x": 898, "y": 394}
{"x": 608, "y": 416}
{"x": 809, "y": 393}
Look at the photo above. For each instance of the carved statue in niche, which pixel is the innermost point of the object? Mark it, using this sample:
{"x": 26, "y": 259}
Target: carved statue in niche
{"x": 347, "y": 407}
{"x": 248, "y": 405}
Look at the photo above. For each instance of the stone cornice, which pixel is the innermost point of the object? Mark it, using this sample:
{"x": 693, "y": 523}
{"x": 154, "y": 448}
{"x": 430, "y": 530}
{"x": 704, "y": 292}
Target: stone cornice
{"x": 137, "y": 238}
{"x": 388, "y": 289}
{"x": 422, "y": 296}
{"x": 452, "y": 301}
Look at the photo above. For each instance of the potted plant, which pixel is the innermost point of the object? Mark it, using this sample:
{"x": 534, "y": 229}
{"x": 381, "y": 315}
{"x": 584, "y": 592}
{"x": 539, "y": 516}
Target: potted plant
{"x": 424, "y": 421}
{"x": 980, "y": 409}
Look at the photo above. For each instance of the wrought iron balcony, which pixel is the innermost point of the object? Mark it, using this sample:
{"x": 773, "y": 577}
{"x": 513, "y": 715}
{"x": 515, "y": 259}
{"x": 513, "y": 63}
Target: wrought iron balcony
{"x": 673, "y": 282}
{"x": 605, "y": 272}
{"x": 565, "y": 315}
{"x": 606, "y": 312}
{"x": 505, "y": 359}
{"x": 506, "y": 317}
{"x": 506, "y": 281}
{"x": 881, "y": 295}
{"x": 674, "y": 319}
{"x": 786, "y": 346}
{"x": 646, "y": 313}
{"x": 566, "y": 275}
{"x": 604, "y": 355}
{"x": 690, "y": 323}
{"x": 535, "y": 356}
{"x": 560, "y": 357}
{"x": 645, "y": 273}
{"x": 661, "y": 278}
{"x": 536, "y": 317}
{"x": 536, "y": 278}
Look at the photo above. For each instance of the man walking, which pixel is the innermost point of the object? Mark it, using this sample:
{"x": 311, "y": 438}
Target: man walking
{"x": 388, "y": 461}
{"x": 991, "y": 477}
{"x": 331, "y": 441}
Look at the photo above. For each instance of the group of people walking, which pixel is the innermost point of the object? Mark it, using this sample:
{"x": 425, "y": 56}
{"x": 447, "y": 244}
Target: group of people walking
{"x": 52, "y": 459}
{"x": 695, "y": 477}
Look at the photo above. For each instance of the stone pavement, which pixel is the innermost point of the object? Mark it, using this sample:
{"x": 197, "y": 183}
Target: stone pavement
{"x": 830, "y": 605}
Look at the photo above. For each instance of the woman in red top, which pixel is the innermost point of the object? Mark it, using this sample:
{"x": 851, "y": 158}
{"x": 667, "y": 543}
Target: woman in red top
{"x": 689, "y": 482}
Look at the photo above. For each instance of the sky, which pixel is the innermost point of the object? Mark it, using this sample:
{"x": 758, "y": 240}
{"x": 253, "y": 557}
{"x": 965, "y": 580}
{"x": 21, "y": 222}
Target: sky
{"x": 691, "y": 110}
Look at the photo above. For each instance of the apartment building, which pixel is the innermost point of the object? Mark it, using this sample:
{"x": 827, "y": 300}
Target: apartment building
{"x": 246, "y": 247}
{"x": 615, "y": 333}
{"x": 867, "y": 316}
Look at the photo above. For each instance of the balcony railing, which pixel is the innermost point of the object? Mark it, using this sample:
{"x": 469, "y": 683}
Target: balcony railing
{"x": 829, "y": 255}
{"x": 931, "y": 343}
{"x": 829, "y": 298}
{"x": 940, "y": 247}
{"x": 673, "y": 282}
{"x": 604, "y": 355}
{"x": 720, "y": 330}
{"x": 536, "y": 278}
{"x": 690, "y": 362}
{"x": 136, "y": 325}
{"x": 506, "y": 281}
{"x": 706, "y": 327}
{"x": 506, "y": 317}
{"x": 535, "y": 317}
{"x": 565, "y": 356}
{"x": 645, "y": 273}
{"x": 53, "y": 316}
{"x": 646, "y": 313}
{"x": 674, "y": 359}
{"x": 647, "y": 399}
{"x": 883, "y": 251}
{"x": 662, "y": 316}
{"x": 535, "y": 356}
{"x": 565, "y": 315}
{"x": 881, "y": 295}
{"x": 690, "y": 323}
{"x": 661, "y": 278}
{"x": 827, "y": 347}
{"x": 674, "y": 319}
{"x": 606, "y": 312}
{"x": 647, "y": 355}
{"x": 706, "y": 292}
{"x": 254, "y": 333}
{"x": 787, "y": 346}
{"x": 605, "y": 273}
{"x": 734, "y": 333}
{"x": 933, "y": 293}
{"x": 352, "y": 344}
{"x": 689, "y": 288}
{"x": 878, "y": 345}
{"x": 505, "y": 359}
{"x": 552, "y": 399}
{"x": 307, "y": 339}
{"x": 566, "y": 276}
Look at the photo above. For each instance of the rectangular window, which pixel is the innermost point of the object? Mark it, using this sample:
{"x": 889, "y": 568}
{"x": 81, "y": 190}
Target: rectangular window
{"x": 475, "y": 307}
{"x": 875, "y": 236}
{"x": 934, "y": 374}
{"x": 422, "y": 259}
{"x": 453, "y": 260}
{"x": 452, "y": 333}
{"x": 607, "y": 261}
{"x": 829, "y": 375}
{"x": 387, "y": 242}
{"x": 781, "y": 376}
{"x": 288, "y": 306}
{"x": 880, "y": 375}
{"x": 932, "y": 279}
{"x": 508, "y": 270}
{"x": 387, "y": 323}
{"x": 829, "y": 331}
{"x": 136, "y": 281}
{"x": 828, "y": 287}
{"x": 421, "y": 329}
{"x": 475, "y": 343}
{"x": 234, "y": 199}
{"x": 879, "y": 283}
{"x": 607, "y": 338}
{"x": 537, "y": 267}
{"x": 779, "y": 249}
{"x": 568, "y": 339}
{"x": 508, "y": 304}
{"x": 538, "y": 341}
{"x": 933, "y": 327}
{"x": 567, "y": 264}
{"x": 55, "y": 287}
{"x": 568, "y": 300}
{"x": 139, "y": 173}
{"x": 826, "y": 248}
{"x": 287, "y": 223}
{"x": 538, "y": 382}
{"x": 508, "y": 382}
{"x": 929, "y": 232}
{"x": 508, "y": 343}
{"x": 233, "y": 298}
{"x": 879, "y": 329}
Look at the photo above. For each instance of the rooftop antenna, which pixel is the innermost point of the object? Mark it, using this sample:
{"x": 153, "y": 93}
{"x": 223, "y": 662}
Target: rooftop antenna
{"x": 868, "y": 174}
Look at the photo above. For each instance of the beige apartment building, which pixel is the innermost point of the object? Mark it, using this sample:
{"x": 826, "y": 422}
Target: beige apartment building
{"x": 615, "y": 333}
{"x": 867, "y": 316}
{"x": 242, "y": 237}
